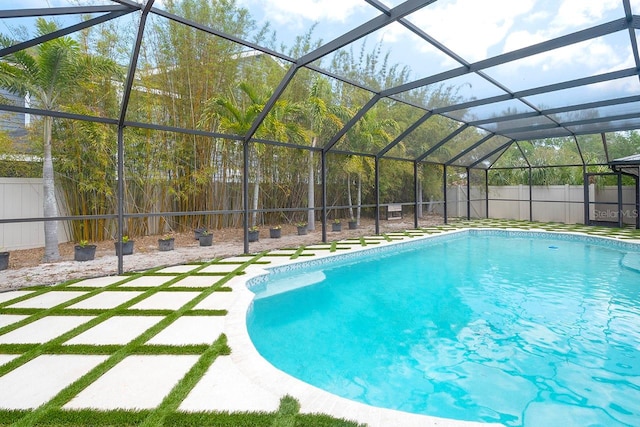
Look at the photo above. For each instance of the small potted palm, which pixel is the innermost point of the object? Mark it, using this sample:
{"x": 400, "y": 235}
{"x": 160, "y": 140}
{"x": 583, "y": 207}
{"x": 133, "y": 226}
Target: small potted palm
{"x": 166, "y": 243}
{"x": 83, "y": 251}
{"x": 4, "y": 259}
{"x": 206, "y": 238}
{"x": 198, "y": 232}
{"x": 302, "y": 228}
{"x": 275, "y": 232}
{"x": 336, "y": 225}
{"x": 254, "y": 234}
{"x": 127, "y": 246}
{"x": 353, "y": 224}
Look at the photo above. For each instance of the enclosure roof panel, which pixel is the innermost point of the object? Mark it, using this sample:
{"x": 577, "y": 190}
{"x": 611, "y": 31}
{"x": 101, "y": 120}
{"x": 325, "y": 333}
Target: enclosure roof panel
{"x": 453, "y": 74}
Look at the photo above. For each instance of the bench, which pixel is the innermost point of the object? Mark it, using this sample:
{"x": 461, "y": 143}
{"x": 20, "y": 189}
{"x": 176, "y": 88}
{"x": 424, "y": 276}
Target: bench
{"x": 393, "y": 211}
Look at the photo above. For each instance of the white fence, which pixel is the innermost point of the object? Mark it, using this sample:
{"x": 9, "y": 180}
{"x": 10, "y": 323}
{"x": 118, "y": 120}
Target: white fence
{"x": 22, "y": 198}
{"x": 552, "y": 203}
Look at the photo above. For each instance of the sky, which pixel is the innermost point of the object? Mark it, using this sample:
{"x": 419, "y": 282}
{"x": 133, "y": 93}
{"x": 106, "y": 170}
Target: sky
{"x": 474, "y": 30}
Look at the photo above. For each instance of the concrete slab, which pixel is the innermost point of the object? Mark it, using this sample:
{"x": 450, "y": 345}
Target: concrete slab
{"x": 220, "y": 268}
{"x": 8, "y": 319}
{"x": 138, "y": 382}
{"x": 116, "y": 330}
{"x": 149, "y": 281}
{"x": 108, "y": 299}
{"x": 8, "y": 296}
{"x": 43, "y": 330}
{"x": 217, "y": 301}
{"x": 179, "y": 269}
{"x": 165, "y": 301}
{"x": 224, "y": 388}
{"x": 48, "y": 300}
{"x": 191, "y": 330}
{"x": 198, "y": 281}
{"x": 238, "y": 259}
{"x": 275, "y": 260}
{"x": 40, "y": 379}
{"x": 99, "y": 282}
{"x": 282, "y": 252}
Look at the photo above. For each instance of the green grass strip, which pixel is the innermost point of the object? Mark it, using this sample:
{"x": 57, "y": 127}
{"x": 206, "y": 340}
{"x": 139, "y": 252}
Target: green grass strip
{"x": 298, "y": 253}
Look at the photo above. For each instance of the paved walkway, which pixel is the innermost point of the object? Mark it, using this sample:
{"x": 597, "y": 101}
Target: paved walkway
{"x": 166, "y": 336}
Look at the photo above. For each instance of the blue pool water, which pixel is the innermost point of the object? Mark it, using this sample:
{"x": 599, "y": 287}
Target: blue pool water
{"x": 517, "y": 329}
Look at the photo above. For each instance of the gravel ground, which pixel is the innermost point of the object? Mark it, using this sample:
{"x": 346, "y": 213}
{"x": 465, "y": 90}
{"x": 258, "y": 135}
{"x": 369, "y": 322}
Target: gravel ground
{"x": 26, "y": 267}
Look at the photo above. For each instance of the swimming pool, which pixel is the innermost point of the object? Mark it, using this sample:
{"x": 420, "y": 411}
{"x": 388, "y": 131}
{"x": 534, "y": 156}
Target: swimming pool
{"x": 512, "y": 327}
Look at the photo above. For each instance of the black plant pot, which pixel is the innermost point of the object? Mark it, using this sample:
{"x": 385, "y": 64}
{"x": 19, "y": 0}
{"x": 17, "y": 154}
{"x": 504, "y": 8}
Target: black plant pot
{"x": 84, "y": 253}
{"x": 336, "y": 226}
{"x": 206, "y": 240}
{"x": 302, "y": 230}
{"x": 275, "y": 233}
{"x": 254, "y": 235}
{"x": 127, "y": 248}
{"x": 198, "y": 232}
{"x": 165, "y": 245}
{"x": 353, "y": 225}
{"x": 4, "y": 260}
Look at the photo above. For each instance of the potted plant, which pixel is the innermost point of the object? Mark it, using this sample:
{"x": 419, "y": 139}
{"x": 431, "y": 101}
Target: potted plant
{"x": 206, "y": 238}
{"x": 275, "y": 232}
{"x": 198, "y": 232}
{"x": 337, "y": 225}
{"x": 254, "y": 234}
{"x": 353, "y": 224}
{"x": 84, "y": 251}
{"x": 4, "y": 259}
{"x": 302, "y": 228}
{"x": 166, "y": 243}
{"x": 127, "y": 246}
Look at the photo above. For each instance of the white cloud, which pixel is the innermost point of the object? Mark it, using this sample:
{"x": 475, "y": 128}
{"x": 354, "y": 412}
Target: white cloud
{"x": 471, "y": 28}
{"x": 576, "y": 13}
{"x": 291, "y": 12}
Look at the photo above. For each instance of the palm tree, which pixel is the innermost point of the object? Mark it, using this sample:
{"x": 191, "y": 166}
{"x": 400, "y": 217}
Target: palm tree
{"x": 48, "y": 74}
{"x": 322, "y": 116}
{"x": 233, "y": 117}
{"x": 369, "y": 134}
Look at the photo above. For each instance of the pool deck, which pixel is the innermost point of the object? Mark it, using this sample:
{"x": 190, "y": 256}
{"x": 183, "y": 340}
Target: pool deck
{"x": 125, "y": 342}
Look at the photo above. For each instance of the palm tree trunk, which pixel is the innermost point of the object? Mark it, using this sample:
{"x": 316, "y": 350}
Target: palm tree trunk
{"x": 349, "y": 195}
{"x": 359, "y": 198}
{"x": 50, "y": 206}
{"x": 419, "y": 210}
{"x": 311, "y": 201}
{"x": 256, "y": 195}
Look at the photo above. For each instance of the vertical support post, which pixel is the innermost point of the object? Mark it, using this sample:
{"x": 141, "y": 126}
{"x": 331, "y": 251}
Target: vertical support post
{"x": 585, "y": 197}
{"x": 638, "y": 200}
{"x": 468, "y": 195}
{"x": 416, "y": 189}
{"x": 377, "y": 192}
{"x": 620, "y": 207}
{"x": 530, "y": 195}
{"x": 120, "y": 197}
{"x": 323, "y": 167}
{"x": 245, "y": 194}
{"x": 444, "y": 188}
{"x": 486, "y": 193}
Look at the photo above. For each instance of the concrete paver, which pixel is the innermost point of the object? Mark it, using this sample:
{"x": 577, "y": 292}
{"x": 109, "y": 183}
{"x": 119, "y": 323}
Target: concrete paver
{"x": 43, "y": 330}
{"x": 116, "y": 330}
{"x": 40, "y": 379}
{"x": 190, "y": 330}
{"x": 138, "y": 382}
